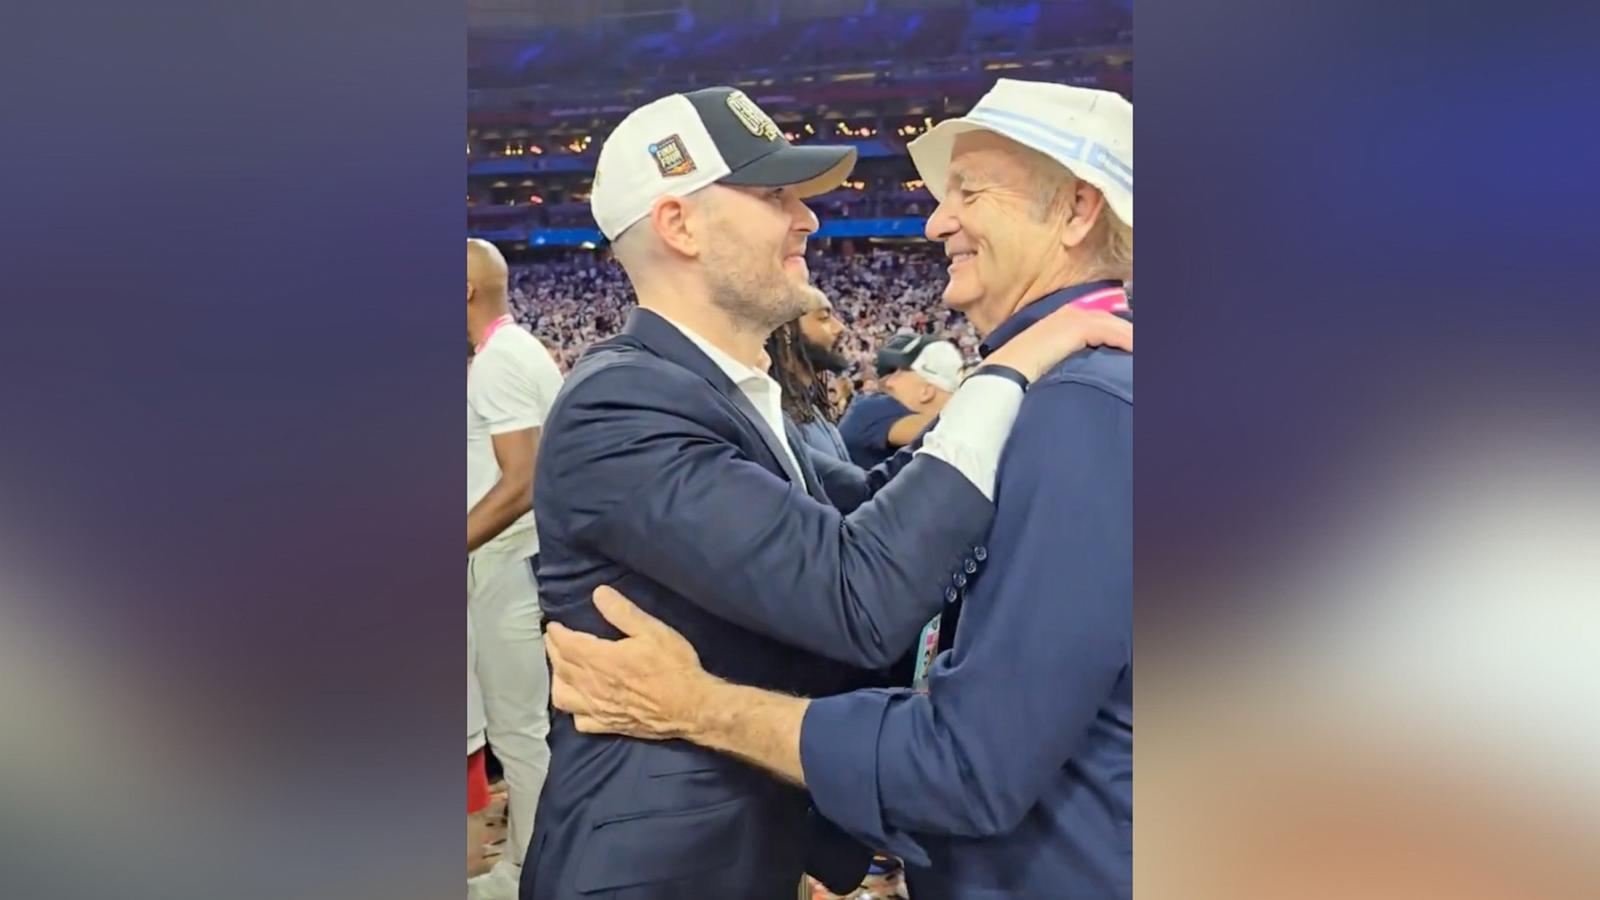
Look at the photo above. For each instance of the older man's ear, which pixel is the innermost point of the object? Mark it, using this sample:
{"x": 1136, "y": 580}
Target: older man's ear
{"x": 1084, "y": 208}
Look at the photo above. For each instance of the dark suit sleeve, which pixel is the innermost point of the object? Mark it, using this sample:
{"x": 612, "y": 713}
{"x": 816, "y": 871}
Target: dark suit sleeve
{"x": 845, "y": 483}
{"x": 1045, "y": 635}
{"x": 879, "y": 475}
{"x": 668, "y": 496}
{"x": 848, "y": 485}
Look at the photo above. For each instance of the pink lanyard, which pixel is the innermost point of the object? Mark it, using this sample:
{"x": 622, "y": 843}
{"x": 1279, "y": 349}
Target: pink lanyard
{"x": 1112, "y": 299}
{"x": 493, "y": 327}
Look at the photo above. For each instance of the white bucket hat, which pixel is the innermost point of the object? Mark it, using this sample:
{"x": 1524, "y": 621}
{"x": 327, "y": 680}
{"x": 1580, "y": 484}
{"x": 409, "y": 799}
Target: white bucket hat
{"x": 1088, "y": 131}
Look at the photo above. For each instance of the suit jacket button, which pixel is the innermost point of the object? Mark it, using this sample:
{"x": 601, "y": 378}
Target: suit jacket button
{"x": 971, "y": 566}
{"x": 961, "y": 579}
{"x": 950, "y": 595}
{"x": 980, "y": 553}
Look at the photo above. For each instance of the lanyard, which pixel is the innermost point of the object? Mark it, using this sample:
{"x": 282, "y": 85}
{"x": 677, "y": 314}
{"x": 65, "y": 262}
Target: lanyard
{"x": 1111, "y": 299}
{"x": 493, "y": 327}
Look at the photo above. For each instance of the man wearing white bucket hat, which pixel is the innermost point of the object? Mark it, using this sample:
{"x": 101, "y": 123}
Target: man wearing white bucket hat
{"x": 1010, "y": 774}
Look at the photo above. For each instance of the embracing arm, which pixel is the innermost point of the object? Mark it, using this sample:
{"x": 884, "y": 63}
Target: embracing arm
{"x": 682, "y": 505}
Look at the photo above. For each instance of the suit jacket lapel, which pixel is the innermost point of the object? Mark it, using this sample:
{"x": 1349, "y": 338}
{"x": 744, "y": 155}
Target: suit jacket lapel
{"x": 767, "y": 437}
{"x": 668, "y": 342}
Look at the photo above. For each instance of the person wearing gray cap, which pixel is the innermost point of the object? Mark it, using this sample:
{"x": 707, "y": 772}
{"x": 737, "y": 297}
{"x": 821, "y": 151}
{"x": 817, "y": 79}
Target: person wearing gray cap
{"x": 666, "y": 467}
{"x": 1009, "y": 773}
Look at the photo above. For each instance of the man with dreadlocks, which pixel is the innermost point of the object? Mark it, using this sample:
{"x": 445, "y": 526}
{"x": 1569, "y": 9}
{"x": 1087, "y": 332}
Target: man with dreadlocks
{"x": 805, "y": 352}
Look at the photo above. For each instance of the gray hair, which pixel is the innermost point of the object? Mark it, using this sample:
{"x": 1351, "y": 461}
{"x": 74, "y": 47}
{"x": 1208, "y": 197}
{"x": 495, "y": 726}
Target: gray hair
{"x": 1110, "y": 241}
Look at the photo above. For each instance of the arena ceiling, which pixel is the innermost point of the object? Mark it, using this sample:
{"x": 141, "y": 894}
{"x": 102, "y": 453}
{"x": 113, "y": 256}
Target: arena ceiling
{"x": 489, "y": 18}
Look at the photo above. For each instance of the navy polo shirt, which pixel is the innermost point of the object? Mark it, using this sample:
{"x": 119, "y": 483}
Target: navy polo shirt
{"x": 865, "y": 428}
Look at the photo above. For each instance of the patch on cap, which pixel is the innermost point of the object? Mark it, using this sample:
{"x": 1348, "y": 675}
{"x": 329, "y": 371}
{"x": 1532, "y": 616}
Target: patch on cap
{"x": 753, "y": 117}
{"x": 671, "y": 157}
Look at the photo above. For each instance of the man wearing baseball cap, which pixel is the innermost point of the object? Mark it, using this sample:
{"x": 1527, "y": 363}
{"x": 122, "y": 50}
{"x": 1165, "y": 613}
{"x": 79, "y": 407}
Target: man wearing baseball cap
{"x": 918, "y": 373}
{"x": 666, "y": 468}
{"x": 1010, "y": 774}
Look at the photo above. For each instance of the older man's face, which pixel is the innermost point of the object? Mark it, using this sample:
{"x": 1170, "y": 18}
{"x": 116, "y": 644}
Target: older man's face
{"x": 993, "y": 227}
{"x": 910, "y": 389}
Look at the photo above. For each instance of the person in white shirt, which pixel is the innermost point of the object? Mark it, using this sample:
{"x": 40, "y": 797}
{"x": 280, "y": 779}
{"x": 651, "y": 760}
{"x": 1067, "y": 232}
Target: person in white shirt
{"x": 510, "y": 385}
{"x": 479, "y": 830}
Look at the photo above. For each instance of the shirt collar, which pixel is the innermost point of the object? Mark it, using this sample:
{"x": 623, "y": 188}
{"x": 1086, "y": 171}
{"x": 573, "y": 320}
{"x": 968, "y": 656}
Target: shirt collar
{"x": 737, "y": 372}
{"x": 488, "y": 333}
{"x": 1037, "y": 310}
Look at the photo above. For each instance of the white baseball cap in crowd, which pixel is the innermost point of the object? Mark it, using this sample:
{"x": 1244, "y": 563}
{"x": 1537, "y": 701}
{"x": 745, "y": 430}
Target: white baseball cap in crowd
{"x": 681, "y": 143}
{"x": 1088, "y": 131}
{"x": 935, "y": 360}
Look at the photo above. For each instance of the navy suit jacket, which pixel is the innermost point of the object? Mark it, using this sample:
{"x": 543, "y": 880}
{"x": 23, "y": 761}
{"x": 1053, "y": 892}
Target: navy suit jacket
{"x": 656, "y": 476}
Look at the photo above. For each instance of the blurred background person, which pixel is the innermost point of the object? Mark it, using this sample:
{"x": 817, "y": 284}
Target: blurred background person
{"x": 486, "y": 823}
{"x": 916, "y": 376}
{"x": 511, "y": 384}
{"x": 806, "y": 358}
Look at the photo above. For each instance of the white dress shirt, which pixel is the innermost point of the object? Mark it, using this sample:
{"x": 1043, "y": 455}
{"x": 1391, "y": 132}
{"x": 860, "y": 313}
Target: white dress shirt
{"x": 756, "y": 385}
{"x": 970, "y": 435}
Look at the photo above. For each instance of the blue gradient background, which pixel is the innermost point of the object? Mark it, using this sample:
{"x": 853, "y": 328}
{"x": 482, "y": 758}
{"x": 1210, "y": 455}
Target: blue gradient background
{"x": 230, "y": 609}
{"x": 1367, "y": 457}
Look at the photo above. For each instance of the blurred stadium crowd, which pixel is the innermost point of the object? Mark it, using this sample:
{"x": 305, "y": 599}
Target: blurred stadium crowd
{"x": 572, "y": 300}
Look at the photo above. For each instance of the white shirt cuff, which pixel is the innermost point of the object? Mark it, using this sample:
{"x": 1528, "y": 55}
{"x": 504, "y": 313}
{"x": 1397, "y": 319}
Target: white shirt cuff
{"x": 973, "y": 428}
